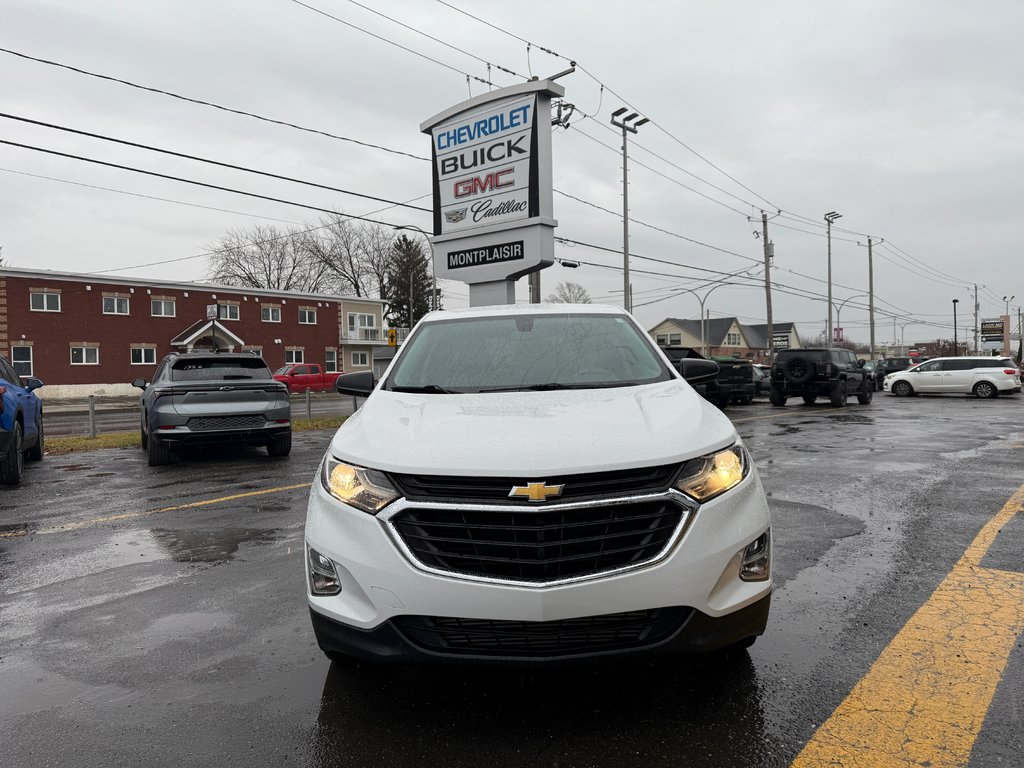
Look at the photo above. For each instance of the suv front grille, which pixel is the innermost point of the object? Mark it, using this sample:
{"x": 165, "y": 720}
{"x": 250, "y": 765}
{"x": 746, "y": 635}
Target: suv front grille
{"x": 541, "y": 544}
{"x": 619, "y": 482}
{"x": 208, "y": 423}
{"x": 539, "y": 639}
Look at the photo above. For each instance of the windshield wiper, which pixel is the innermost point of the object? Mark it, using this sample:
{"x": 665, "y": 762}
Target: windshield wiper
{"x": 433, "y": 389}
{"x": 551, "y": 385}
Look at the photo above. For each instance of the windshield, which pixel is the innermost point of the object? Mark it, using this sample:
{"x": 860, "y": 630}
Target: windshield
{"x": 207, "y": 368}
{"x": 516, "y": 352}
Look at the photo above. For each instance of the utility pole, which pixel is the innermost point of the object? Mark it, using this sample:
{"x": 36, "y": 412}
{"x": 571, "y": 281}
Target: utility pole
{"x": 410, "y": 300}
{"x": 976, "y": 308}
{"x": 627, "y": 126}
{"x": 533, "y": 280}
{"x": 956, "y": 345}
{"x": 829, "y": 218}
{"x": 769, "y": 249}
{"x": 871, "y": 299}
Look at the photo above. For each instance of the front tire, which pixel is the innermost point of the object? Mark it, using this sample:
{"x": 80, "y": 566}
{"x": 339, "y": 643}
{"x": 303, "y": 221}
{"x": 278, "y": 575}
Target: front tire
{"x": 12, "y": 467}
{"x": 35, "y": 453}
{"x": 809, "y": 399}
{"x": 839, "y": 394}
{"x": 985, "y": 389}
{"x": 777, "y": 396}
{"x": 866, "y": 394}
{"x": 902, "y": 389}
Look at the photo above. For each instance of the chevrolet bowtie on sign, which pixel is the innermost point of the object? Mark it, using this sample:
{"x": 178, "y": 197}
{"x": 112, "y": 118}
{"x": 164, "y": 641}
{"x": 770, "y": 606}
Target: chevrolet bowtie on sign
{"x": 535, "y": 491}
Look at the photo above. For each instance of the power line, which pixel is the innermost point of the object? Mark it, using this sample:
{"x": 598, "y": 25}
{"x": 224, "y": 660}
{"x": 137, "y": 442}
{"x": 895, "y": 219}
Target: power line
{"x": 187, "y": 181}
{"x": 658, "y": 229}
{"x": 185, "y": 156}
{"x": 438, "y": 40}
{"x": 147, "y": 197}
{"x": 392, "y": 42}
{"x": 201, "y": 102}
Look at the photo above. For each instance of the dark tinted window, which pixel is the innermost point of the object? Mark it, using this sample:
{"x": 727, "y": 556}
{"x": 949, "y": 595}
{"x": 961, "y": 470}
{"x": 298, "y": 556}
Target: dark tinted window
{"x": 935, "y": 365}
{"x": 964, "y": 364}
{"x": 314, "y": 369}
{"x": 7, "y": 374}
{"x": 300, "y": 370}
{"x": 214, "y": 368}
{"x": 508, "y": 352}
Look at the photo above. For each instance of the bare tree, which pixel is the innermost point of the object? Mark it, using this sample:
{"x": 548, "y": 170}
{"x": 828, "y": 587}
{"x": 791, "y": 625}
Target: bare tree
{"x": 356, "y": 255}
{"x": 2, "y": 262}
{"x": 569, "y": 293}
{"x": 264, "y": 256}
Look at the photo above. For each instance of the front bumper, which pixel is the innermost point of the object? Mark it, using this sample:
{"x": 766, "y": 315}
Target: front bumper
{"x": 393, "y": 642}
{"x": 381, "y": 582}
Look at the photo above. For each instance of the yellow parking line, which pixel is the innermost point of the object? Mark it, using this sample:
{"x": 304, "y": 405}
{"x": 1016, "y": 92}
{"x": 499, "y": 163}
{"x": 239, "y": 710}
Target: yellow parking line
{"x": 924, "y": 700}
{"x": 14, "y": 534}
{"x": 146, "y": 513}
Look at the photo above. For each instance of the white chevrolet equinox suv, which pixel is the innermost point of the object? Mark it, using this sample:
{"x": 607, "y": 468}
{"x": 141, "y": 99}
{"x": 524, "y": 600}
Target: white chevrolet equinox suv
{"x": 535, "y": 484}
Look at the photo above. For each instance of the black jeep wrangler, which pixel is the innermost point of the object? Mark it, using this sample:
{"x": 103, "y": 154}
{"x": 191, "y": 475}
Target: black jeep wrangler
{"x": 819, "y": 372}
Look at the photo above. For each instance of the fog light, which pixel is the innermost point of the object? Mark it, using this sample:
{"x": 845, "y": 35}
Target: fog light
{"x": 323, "y": 578}
{"x": 757, "y": 559}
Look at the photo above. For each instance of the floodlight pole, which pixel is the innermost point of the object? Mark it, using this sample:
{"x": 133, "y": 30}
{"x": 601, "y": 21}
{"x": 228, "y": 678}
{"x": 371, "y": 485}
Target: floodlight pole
{"x": 628, "y": 126}
{"x": 829, "y": 218}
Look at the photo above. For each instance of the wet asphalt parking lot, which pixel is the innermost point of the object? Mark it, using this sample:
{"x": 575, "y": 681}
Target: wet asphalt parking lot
{"x": 157, "y": 616}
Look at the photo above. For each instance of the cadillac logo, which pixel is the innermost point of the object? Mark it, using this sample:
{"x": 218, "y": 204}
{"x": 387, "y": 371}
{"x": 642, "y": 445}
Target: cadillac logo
{"x": 535, "y": 491}
{"x": 454, "y": 217}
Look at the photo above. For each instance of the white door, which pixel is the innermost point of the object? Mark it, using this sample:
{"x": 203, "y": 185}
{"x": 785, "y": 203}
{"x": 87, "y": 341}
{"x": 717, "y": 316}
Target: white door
{"x": 958, "y": 375}
{"x": 927, "y": 377}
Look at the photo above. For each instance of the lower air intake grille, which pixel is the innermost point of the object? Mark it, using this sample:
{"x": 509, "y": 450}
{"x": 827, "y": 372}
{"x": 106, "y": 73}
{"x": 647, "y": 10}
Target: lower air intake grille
{"x": 539, "y": 639}
{"x": 208, "y": 423}
{"x": 539, "y": 545}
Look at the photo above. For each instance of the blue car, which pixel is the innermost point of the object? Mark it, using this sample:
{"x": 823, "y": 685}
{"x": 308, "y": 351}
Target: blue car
{"x": 21, "y": 423}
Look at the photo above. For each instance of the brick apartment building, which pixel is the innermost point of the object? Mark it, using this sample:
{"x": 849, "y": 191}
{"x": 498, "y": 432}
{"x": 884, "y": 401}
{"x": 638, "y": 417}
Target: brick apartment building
{"x": 88, "y": 334}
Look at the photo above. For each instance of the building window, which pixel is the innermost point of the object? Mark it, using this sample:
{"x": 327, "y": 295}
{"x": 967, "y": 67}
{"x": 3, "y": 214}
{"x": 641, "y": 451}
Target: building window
{"x": 227, "y": 311}
{"x": 307, "y": 317}
{"x": 85, "y": 355}
{"x": 362, "y": 327}
{"x": 675, "y": 339}
{"x": 44, "y": 302}
{"x": 270, "y": 314}
{"x": 144, "y": 356}
{"x": 164, "y": 308}
{"x": 661, "y": 340}
{"x": 113, "y": 305}
{"x": 21, "y": 359}
{"x": 360, "y": 359}
{"x": 293, "y": 356}
{"x": 732, "y": 339}
{"x": 331, "y": 360}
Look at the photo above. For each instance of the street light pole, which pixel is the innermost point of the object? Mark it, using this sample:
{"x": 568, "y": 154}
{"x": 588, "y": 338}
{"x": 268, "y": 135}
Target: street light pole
{"x": 628, "y": 126}
{"x": 830, "y": 217}
{"x": 956, "y": 345}
{"x": 843, "y": 304}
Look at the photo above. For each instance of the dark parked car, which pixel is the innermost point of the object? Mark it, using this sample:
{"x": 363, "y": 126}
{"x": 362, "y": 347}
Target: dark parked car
{"x": 821, "y": 372}
{"x": 877, "y": 374}
{"x": 21, "y": 423}
{"x": 894, "y": 364}
{"x": 734, "y": 383}
{"x": 210, "y": 398}
{"x": 762, "y": 381}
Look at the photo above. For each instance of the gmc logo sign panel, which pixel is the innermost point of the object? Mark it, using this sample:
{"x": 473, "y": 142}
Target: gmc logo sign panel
{"x": 482, "y": 164}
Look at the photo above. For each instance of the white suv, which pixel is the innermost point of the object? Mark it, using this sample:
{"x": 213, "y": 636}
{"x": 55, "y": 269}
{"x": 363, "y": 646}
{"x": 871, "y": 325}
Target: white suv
{"x": 979, "y": 376}
{"x": 534, "y": 484}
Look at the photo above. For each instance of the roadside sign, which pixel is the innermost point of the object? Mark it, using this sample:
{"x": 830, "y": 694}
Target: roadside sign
{"x": 837, "y": 334}
{"x": 992, "y": 330}
{"x": 211, "y": 311}
{"x": 780, "y": 340}
{"x": 392, "y": 337}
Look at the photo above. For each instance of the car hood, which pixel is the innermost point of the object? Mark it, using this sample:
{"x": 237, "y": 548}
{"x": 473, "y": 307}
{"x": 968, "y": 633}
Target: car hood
{"x": 532, "y": 433}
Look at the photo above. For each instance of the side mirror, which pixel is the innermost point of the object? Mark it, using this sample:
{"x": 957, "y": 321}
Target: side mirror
{"x": 697, "y": 371}
{"x": 140, "y": 383}
{"x": 860, "y": 363}
{"x": 33, "y": 383}
{"x": 360, "y": 383}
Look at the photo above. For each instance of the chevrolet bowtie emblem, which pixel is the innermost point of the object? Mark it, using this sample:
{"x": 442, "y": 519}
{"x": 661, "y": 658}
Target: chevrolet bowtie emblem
{"x": 535, "y": 491}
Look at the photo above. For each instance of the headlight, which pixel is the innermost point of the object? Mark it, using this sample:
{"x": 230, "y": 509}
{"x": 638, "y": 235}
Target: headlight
{"x": 709, "y": 476}
{"x": 365, "y": 489}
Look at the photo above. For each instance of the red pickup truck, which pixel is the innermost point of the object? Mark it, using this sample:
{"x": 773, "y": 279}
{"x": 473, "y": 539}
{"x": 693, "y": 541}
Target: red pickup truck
{"x": 302, "y": 376}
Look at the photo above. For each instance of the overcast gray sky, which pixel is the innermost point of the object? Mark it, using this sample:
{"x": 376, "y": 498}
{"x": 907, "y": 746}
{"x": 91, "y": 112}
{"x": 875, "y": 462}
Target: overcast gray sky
{"x": 908, "y": 118}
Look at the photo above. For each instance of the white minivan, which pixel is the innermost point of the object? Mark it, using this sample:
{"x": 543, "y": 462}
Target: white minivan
{"x": 978, "y": 376}
{"x": 533, "y": 484}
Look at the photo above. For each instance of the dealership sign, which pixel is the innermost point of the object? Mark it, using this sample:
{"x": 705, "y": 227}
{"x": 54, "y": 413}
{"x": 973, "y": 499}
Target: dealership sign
{"x": 780, "y": 340}
{"x": 482, "y": 163}
{"x": 992, "y": 330}
{"x": 493, "y": 219}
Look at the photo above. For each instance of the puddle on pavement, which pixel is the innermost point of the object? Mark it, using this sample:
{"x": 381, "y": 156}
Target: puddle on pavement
{"x": 74, "y": 467}
{"x": 851, "y": 418}
{"x": 214, "y": 546}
